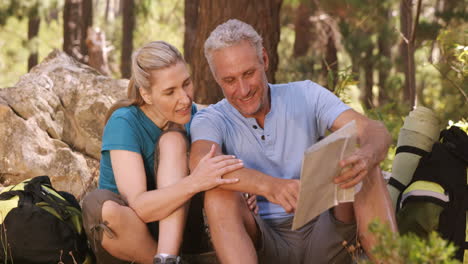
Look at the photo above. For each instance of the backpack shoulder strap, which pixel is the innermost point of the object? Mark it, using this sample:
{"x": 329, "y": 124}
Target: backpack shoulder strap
{"x": 41, "y": 188}
{"x": 456, "y": 141}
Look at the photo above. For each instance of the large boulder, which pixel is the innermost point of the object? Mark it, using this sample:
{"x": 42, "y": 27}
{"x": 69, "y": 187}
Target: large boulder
{"x": 51, "y": 123}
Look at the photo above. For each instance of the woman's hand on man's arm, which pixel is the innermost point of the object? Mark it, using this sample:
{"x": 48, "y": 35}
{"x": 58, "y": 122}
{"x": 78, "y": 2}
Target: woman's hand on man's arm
{"x": 209, "y": 172}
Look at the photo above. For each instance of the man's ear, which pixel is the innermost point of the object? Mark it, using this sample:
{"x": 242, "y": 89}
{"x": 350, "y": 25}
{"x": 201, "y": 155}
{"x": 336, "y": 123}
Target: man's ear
{"x": 265, "y": 58}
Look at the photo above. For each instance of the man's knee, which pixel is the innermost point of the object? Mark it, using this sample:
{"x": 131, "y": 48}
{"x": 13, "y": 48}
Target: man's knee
{"x": 216, "y": 197}
{"x": 225, "y": 204}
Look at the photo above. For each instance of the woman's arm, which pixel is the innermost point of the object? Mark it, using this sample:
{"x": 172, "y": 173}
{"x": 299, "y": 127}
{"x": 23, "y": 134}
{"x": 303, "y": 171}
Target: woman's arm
{"x": 157, "y": 204}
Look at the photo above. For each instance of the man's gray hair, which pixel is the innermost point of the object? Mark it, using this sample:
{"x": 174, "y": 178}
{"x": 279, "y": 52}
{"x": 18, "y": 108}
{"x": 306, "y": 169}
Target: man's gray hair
{"x": 230, "y": 33}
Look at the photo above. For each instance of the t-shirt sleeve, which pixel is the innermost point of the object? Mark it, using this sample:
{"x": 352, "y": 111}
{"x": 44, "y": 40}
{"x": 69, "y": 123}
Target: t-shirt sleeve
{"x": 119, "y": 134}
{"x": 187, "y": 126}
{"x": 207, "y": 125}
{"x": 326, "y": 106}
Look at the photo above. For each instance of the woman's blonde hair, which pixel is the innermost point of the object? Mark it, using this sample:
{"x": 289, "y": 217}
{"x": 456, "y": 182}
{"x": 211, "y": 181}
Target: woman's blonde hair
{"x": 155, "y": 55}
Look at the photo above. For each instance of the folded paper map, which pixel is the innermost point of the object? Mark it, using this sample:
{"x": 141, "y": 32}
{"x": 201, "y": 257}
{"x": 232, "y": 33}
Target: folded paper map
{"x": 320, "y": 166}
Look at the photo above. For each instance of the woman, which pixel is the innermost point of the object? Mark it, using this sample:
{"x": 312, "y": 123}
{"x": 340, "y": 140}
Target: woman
{"x": 138, "y": 214}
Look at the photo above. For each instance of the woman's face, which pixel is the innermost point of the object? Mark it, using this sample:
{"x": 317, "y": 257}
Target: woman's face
{"x": 171, "y": 93}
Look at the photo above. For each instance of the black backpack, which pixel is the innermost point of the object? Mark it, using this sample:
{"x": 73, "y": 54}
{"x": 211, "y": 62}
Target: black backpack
{"x": 437, "y": 197}
{"x": 41, "y": 225}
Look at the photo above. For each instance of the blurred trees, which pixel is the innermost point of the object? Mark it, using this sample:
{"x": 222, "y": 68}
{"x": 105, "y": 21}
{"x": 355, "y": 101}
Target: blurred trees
{"x": 34, "y": 21}
{"x": 33, "y": 11}
{"x": 314, "y": 29}
{"x": 202, "y": 16}
{"x": 408, "y": 30}
{"x": 77, "y": 17}
{"x": 128, "y": 27}
{"x": 303, "y": 29}
{"x": 378, "y": 51}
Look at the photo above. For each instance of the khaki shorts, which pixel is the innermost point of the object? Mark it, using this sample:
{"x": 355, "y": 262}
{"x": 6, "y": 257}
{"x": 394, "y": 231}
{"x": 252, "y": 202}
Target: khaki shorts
{"x": 195, "y": 240}
{"x": 95, "y": 227}
{"x": 319, "y": 241}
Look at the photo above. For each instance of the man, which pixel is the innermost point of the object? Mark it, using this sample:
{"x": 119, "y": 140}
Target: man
{"x": 269, "y": 127}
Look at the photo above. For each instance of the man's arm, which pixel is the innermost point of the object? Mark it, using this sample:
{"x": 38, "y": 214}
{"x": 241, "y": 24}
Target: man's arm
{"x": 278, "y": 191}
{"x": 373, "y": 201}
{"x": 374, "y": 141}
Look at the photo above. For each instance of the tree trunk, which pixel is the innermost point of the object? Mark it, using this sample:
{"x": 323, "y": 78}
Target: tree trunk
{"x": 33, "y": 30}
{"x": 368, "y": 62}
{"x": 127, "y": 39}
{"x": 119, "y": 7}
{"x": 302, "y": 28}
{"x": 87, "y": 22}
{"x": 407, "y": 52}
{"x": 191, "y": 22}
{"x": 72, "y": 28}
{"x": 106, "y": 12}
{"x": 262, "y": 15}
{"x": 385, "y": 54}
{"x": 330, "y": 62}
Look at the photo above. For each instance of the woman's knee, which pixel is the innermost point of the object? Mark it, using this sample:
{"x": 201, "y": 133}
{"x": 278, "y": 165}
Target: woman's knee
{"x": 112, "y": 213}
{"x": 170, "y": 154}
{"x": 173, "y": 141}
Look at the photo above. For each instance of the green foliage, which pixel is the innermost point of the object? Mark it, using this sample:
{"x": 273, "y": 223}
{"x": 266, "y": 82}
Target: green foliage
{"x": 144, "y": 7}
{"x": 454, "y": 49}
{"x": 15, "y": 47}
{"x": 24, "y": 8}
{"x": 454, "y": 11}
{"x": 294, "y": 3}
{"x": 462, "y": 124}
{"x": 340, "y": 82}
{"x": 449, "y": 99}
{"x": 155, "y": 20}
{"x": 291, "y": 70}
{"x": 165, "y": 21}
{"x": 395, "y": 249}
{"x": 428, "y": 30}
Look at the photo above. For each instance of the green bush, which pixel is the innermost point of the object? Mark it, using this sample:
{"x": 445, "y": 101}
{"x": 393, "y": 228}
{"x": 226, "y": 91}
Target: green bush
{"x": 409, "y": 249}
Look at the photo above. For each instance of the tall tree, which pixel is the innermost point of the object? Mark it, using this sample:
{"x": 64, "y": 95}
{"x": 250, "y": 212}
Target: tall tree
{"x": 71, "y": 28}
{"x": 384, "y": 44}
{"x": 191, "y": 22}
{"x": 33, "y": 30}
{"x": 407, "y": 51}
{"x": 106, "y": 12}
{"x": 77, "y": 17}
{"x": 368, "y": 66}
{"x": 302, "y": 29}
{"x": 128, "y": 12}
{"x": 86, "y": 23}
{"x": 330, "y": 60}
{"x": 262, "y": 15}
{"x": 34, "y": 11}
{"x": 366, "y": 25}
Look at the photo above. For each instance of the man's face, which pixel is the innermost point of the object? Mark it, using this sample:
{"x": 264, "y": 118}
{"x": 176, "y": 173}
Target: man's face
{"x": 241, "y": 75}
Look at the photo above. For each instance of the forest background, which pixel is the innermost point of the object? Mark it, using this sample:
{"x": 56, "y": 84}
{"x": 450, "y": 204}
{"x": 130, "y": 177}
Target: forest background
{"x": 383, "y": 57}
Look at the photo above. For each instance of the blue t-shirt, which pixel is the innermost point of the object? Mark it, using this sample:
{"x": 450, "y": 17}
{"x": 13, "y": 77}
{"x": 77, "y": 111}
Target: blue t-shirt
{"x": 300, "y": 113}
{"x": 130, "y": 129}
